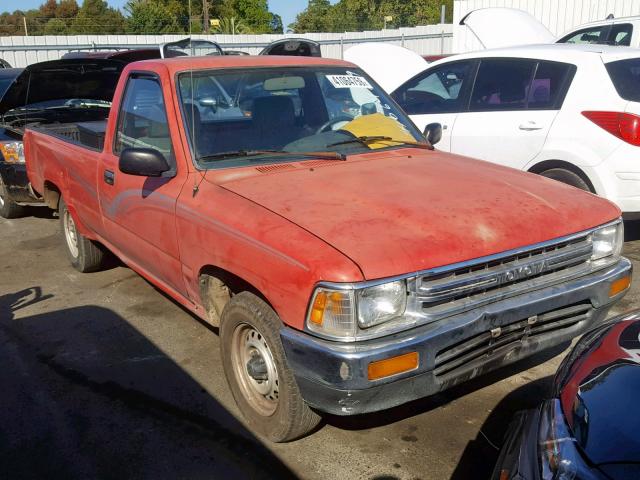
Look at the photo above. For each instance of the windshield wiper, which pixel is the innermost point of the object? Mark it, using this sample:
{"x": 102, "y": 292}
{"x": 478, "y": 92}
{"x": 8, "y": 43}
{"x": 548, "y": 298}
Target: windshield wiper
{"x": 367, "y": 139}
{"x": 274, "y": 153}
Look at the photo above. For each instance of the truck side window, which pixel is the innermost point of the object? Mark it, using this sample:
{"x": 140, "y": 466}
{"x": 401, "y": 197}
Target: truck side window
{"x": 142, "y": 120}
{"x": 435, "y": 91}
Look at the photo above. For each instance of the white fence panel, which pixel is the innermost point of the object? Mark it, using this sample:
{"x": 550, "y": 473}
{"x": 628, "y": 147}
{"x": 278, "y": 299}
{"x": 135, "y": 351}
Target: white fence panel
{"x": 21, "y": 51}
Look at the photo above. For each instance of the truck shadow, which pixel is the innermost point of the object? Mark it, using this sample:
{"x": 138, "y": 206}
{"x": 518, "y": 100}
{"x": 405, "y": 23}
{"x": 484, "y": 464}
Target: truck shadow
{"x": 88, "y": 396}
{"x": 480, "y": 455}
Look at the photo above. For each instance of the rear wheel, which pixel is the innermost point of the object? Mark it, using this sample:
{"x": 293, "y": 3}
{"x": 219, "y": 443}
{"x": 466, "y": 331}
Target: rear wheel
{"x": 8, "y": 208}
{"x": 261, "y": 382}
{"x": 568, "y": 177}
{"x": 84, "y": 254}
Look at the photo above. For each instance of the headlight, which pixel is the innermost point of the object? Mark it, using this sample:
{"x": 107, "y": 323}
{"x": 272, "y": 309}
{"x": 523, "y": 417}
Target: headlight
{"x": 381, "y": 303}
{"x": 343, "y": 313}
{"x": 607, "y": 241}
{"x": 560, "y": 457}
{"x": 13, "y": 152}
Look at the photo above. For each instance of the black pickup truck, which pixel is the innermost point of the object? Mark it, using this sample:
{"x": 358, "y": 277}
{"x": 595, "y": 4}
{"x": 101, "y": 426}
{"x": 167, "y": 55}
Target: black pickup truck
{"x": 48, "y": 93}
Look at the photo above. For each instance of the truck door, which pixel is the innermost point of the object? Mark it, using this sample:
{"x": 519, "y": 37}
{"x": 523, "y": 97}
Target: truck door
{"x": 139, "y": 211}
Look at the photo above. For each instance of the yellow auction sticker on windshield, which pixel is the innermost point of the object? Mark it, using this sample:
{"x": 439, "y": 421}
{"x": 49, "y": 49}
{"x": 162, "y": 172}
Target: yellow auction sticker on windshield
{"x": 349, "y": 81}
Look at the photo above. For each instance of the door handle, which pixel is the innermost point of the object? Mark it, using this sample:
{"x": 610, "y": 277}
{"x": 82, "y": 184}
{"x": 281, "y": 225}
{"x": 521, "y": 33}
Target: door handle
{"x": 109, "y": 177}
{"x": 530, "y": 126}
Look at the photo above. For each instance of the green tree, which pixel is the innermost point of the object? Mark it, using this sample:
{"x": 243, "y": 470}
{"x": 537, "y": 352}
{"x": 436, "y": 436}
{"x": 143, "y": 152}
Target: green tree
{"x": 315, "y": 18}
{"x": 48, "y": 9}
{"x": 67, "y": 9}
{"x": 156, "y": 16}
{"x": 255, "y": 13}
{"x": 55, "y": 26}
{"x": 321, "y": 16}
{"x": 231, "y": 25}
{"x": 276, "y": 24}
{"x": 95, "y": 16}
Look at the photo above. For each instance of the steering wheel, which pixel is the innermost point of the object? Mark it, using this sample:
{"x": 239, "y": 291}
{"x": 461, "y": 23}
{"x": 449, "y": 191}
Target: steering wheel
{"x": 325, "y": 126}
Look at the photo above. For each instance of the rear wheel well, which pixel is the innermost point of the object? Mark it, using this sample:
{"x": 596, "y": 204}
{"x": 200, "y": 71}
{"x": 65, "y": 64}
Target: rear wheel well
{"x": 51, "y": 195}
{"x": 217, "y": 286}
{"x": 550, "y": 164}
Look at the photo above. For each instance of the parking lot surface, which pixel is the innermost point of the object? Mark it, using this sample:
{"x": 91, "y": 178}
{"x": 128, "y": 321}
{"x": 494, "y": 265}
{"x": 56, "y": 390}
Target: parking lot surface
{"x": 105, "y": 377}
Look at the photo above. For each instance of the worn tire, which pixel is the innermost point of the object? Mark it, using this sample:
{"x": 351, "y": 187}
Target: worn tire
{"x": 84, "y": 254}
{"x": 568, "y": 177}
{"x": 8, "y": 208}
{"x": 247, "y": 316}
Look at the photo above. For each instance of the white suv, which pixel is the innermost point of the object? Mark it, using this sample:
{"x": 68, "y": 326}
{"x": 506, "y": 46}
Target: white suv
{"x": 568, "y": 112}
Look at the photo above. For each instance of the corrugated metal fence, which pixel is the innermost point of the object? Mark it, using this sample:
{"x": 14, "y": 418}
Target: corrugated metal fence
{"x": 557, "y": 15}
{"x": 20, "y": 51}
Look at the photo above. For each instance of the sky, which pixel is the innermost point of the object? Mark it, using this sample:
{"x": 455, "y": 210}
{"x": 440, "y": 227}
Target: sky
{"x": 287, "y": 9}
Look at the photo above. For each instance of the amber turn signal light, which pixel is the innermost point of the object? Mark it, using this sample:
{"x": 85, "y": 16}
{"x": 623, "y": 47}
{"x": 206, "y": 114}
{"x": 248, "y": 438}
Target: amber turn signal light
{"x": 619, "y": 286}
{"x": 393, "y": 365}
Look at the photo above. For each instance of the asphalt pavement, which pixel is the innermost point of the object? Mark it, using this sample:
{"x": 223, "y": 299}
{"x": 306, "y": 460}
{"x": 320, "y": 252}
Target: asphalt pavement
{"x": 103, "y": 376}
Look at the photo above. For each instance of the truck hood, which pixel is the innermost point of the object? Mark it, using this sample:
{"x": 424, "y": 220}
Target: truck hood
{"x": 93, "y": 79}
{"x": 499, "y": 27}
{"x": 408, "y": 210}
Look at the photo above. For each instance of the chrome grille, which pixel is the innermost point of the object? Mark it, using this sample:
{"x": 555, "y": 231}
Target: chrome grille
{"x": 455, "y": 290}
{"x": 490, "y": 342}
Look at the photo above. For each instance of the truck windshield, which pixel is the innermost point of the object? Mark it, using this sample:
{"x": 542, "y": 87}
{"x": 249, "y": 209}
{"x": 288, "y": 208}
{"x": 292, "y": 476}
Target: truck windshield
{"x": 296, "y": 110}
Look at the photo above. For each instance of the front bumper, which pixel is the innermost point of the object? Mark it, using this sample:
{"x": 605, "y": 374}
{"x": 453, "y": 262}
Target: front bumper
{"x": 15, "y": 179}
{"x": 332, "y": 376}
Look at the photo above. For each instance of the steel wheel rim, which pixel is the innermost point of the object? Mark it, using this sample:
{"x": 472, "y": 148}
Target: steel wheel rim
{"x": 247, "y": 343}
{"x": 70, "y": 233}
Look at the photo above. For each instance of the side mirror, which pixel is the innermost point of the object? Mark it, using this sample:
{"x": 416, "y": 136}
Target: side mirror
{"x": 433, "y": 133}
{"x": 144, "y": 162}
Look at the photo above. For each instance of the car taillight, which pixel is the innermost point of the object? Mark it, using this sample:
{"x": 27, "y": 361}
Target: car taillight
{"x": 625, "y": 126}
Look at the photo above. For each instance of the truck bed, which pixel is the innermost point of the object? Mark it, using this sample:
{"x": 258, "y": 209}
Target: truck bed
{"x": 87, "y": 134}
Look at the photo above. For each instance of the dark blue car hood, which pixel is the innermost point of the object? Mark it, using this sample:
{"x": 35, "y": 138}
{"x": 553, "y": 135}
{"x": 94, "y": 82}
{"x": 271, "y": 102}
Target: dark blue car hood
{"x": 600, "y": 394}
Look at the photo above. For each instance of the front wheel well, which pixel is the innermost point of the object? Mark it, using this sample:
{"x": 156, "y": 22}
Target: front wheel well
{"x": 217, "y": 286}
{"x": 550, "y": 164}
{"x": 51, "y": 195}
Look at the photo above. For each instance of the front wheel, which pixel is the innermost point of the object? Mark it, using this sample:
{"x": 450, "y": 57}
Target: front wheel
{"x": 84, "y": 254}
{"x": 261, "y": 382}
{"x": 8, "y": 208}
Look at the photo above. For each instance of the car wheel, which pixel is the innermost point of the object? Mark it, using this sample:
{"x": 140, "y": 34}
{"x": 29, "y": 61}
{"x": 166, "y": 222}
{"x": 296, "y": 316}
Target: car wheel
{"x": 8, "y": 208}
{"x": 568, "y": 177}
{"x": 84, "y": 254}
{"x": 261, "y": 382}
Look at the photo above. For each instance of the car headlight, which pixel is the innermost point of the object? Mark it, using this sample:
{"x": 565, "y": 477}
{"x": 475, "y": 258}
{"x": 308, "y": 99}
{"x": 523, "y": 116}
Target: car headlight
{"x": 13, "y": 152}
{"x": 607, "y": 241}
{"x": 381, "y": 303}
{"x": 341, "y": 313}
{"x": 560, "y": 456}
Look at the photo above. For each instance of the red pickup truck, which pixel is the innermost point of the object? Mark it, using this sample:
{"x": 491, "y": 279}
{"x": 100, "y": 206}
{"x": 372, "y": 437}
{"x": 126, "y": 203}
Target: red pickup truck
{"x": 349, "y": 266}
